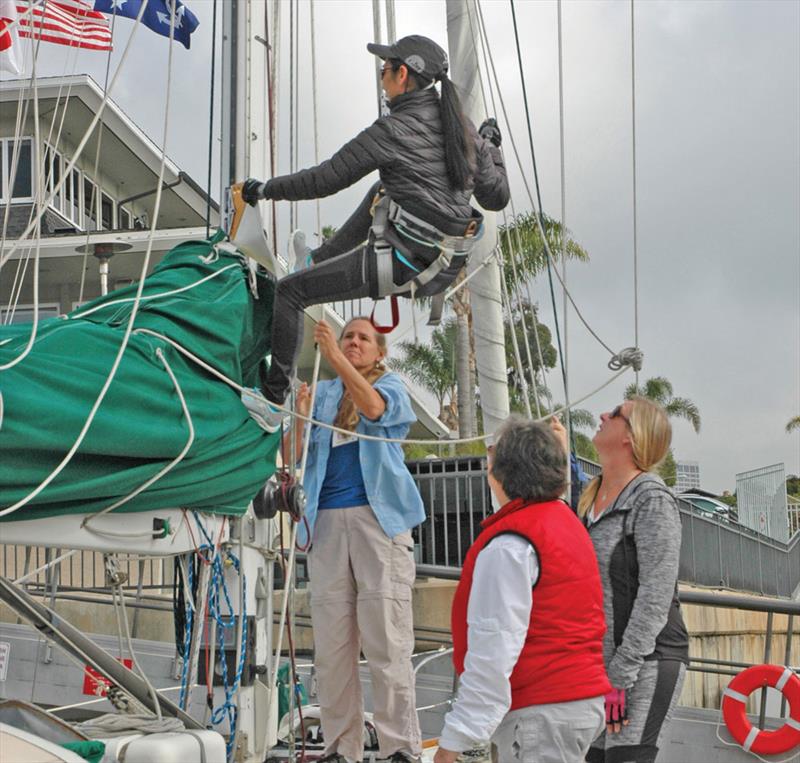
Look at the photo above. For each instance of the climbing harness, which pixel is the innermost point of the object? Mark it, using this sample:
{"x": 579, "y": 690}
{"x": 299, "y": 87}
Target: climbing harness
{"x": 734, "y": 709}
{"x": 453, "y": 250}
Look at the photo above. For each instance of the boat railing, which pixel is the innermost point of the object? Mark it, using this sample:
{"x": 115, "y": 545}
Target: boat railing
{"x": 715, "y": 552}
{"x": 778, "y": 629}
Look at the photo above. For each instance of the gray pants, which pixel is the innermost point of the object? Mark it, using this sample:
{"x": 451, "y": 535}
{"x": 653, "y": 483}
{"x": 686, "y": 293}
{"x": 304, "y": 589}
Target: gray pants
{"x": 651, "y": 702}
{"x": 361, "y": 600}
{"x": 554, "y": 733}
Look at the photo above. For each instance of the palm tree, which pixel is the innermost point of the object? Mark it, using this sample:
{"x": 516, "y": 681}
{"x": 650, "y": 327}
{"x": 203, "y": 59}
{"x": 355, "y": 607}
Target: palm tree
{"x": 792, "y": 424}
{"x": 433, "y": 367}
{"x": 659, "y": 390}
{"x": 522, "y": 238}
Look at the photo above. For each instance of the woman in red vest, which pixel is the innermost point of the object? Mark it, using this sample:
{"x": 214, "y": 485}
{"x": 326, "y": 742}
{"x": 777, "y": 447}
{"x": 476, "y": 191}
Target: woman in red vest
{"x": 527, "y": 617}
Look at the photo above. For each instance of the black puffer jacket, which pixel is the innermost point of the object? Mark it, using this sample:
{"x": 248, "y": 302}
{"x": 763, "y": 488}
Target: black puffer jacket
{"x": 407, "y": 149}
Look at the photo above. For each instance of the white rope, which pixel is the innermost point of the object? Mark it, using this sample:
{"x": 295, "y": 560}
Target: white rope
{"x": 45, "y": 566}
{"x": 82, "y": 314}
{"x": 88, "y": 133}
{"x": 479, "y": 438}
{"x": 536, "y": 211}
{"x": 635, "y": 215}
{"x": 36, "y": 182}
{"x": 22, "y": 261}
{"x": 314, "y": 109}
{"x": 101, "y": 396}
{"x": 792, "y": 755}
{"x": 515, "y": 252}
{"x": 99, "y": 699}
{"x": 142, "y": 674}
{"x": 565, "y": 348}
{"x": 171, "y": 465}
{"x": 523, "y": 382}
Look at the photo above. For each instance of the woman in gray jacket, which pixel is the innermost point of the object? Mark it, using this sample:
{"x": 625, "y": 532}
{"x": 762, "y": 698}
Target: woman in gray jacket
{"x": 634, "y": 524}
{"x": 412, "y": 232}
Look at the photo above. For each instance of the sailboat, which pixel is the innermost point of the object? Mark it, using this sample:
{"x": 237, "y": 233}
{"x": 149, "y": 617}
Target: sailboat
{"x": 194, "y": 503}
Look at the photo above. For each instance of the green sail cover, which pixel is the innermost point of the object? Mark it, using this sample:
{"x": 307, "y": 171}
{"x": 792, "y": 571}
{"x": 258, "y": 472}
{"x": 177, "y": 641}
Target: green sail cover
{"x": 140, "y": 426}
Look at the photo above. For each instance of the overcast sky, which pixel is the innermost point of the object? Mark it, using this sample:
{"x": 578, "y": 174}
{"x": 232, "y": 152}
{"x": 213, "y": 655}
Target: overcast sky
{"x": 718, "y": 182}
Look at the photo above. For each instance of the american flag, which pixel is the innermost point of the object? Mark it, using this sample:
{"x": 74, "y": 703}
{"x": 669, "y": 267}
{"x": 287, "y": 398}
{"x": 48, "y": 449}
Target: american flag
{"x": 65, "y": 22}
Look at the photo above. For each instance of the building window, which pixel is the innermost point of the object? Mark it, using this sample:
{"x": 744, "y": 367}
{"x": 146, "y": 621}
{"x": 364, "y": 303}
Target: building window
{"x": 90, "y": 203}
{"x": 125, "y": 219}
{"x": 22, "y": 187}
{"x": 107, "y": 205}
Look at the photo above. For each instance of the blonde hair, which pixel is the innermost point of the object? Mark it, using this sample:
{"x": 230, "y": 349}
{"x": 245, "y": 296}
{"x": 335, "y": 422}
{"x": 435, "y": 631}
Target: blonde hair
{"x": 347, "y": 416}
{"x": 651, "y": 434}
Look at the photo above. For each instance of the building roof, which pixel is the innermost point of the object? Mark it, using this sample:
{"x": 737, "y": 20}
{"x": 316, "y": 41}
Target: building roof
{"x": 129, "y": 160}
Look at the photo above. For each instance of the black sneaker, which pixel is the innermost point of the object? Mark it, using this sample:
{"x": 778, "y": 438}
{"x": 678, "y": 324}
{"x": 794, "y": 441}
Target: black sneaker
{"x": 335, "y": 757}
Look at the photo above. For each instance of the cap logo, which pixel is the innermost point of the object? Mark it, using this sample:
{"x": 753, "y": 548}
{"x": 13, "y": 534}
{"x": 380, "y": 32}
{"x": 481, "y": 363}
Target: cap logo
{"x": 416, "y": 62}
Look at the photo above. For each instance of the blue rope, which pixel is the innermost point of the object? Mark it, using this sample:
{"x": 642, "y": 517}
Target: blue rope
{"x": 227, "y": 710}
{"x": 187, "y": 635}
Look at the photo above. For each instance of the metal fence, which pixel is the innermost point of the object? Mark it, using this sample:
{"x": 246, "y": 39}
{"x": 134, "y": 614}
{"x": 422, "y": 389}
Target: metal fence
{"x": 714, "y": 552}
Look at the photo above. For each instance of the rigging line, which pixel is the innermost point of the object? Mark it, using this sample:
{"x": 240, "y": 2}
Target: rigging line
{"x": 562, "y": 162}
{"x": 46, "y": 566}
{"x": 128, "y": 329}
{"x": 377, "y": 36}
{"x": 4, "y": 257}
{"x": 95, "y": 185}
{"x": 211, "y": 113}
{"x": 550, "y": 267}
{"x": 292, "y": 75}
{"x": 523, "y": 382}
{"x": 635, "y": 215}
{"x": 530, "y": 194}
{"x": 481, "y": 36}
{"x": 521, "y": 309}
{"x": 172, "y": 464}
{"x": 23, "y": 260}
{"x": 314, "y": 104}
{"x": 239, "y": 388}
{"x": 391, "y": 31}
{"x": 169, "y": 293}
{"x": 273, "y": 60}
{"x": 36, "y": 182}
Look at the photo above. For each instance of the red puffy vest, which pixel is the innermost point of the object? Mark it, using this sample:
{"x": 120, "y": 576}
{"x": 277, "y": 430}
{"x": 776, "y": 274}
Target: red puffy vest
{"x": 562, "y": 657}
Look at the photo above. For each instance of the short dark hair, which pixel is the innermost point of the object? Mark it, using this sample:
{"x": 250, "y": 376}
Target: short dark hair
{"x": 529, "y": 462}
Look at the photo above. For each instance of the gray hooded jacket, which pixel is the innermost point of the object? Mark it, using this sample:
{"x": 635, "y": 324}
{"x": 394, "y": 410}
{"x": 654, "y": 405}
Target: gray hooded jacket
{"x": 638, "y": 542}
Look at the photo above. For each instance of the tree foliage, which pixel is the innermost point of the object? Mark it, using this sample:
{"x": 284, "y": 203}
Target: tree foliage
{"x": 792, "y": 424}
{"x": 433, "y": 367}
{"x": 659, "y": 389}
{"x": 522, "y": 246}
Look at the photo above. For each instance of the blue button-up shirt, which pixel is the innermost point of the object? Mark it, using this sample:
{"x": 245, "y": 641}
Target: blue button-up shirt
{"x": 391, "y": 490}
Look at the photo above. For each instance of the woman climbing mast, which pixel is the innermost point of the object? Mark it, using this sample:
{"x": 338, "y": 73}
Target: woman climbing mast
{"x": 413, "y": 231}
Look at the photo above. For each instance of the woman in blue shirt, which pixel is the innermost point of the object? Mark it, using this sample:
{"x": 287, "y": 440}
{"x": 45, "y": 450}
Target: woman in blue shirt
{"x": 362, "y": 504}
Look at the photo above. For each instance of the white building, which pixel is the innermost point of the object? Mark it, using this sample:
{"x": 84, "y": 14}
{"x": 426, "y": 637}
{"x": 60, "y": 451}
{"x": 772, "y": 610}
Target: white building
{"x": 687, "y": 476}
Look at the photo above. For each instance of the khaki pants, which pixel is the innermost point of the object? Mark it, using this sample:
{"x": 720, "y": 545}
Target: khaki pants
{"x": 554, "y": 733}
{"x": 361, "y": 600}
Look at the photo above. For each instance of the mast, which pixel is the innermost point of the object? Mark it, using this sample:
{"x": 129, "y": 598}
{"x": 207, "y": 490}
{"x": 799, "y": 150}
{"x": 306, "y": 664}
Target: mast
{"x": 487, "y": 311}
{"x": 245, "y": 143}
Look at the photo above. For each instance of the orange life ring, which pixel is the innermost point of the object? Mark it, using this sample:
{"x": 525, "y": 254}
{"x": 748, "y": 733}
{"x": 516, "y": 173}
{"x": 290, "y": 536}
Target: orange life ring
{"x": 734, "y": 702}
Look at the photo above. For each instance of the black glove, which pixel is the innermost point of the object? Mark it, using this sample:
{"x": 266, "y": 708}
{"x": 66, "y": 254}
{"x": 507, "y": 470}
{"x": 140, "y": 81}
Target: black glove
{"x": 491, "y": 132}
{"x": 253, "y": 191}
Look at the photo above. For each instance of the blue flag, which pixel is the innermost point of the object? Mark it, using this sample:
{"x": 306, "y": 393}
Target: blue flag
{"x": 156, "y": 15}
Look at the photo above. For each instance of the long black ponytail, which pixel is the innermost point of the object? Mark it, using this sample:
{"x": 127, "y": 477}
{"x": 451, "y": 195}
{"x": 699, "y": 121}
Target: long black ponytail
{"x": 459, "y": 149}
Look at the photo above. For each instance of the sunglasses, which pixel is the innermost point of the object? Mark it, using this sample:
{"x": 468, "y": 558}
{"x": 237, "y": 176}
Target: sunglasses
{"x": 617, "y": 413}
{"x": 386, "y": 69}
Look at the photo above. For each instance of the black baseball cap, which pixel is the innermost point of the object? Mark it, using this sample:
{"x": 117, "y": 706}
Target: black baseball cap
{"x": 420, "y": 54}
